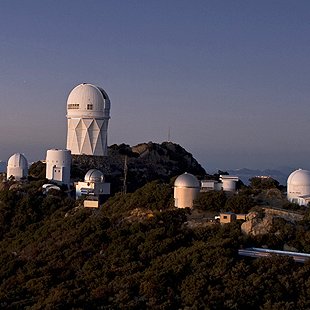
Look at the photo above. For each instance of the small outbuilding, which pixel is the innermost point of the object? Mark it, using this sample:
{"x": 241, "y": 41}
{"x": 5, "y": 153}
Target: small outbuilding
{"x": 94, "y": 188}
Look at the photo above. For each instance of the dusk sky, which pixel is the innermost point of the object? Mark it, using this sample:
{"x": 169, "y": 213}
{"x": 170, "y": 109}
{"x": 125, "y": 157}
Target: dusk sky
{"x": 230, "y": 78}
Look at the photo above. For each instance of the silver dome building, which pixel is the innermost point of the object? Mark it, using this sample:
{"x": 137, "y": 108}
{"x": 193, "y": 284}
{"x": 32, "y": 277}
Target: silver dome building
{"x": 94, "y": 175}
{"x": 88, "y": 114}
{"x": 186, "y": 189}
{"x": 94, "y": 185}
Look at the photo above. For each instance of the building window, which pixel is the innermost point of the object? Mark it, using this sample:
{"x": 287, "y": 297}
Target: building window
{"x": 89, "y": 107}
{"x": 73, "y": 106}
{"x": 225, "y": 217}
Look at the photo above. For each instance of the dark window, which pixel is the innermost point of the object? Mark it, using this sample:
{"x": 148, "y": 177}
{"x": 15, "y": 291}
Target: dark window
{"x": 73, "y": 106}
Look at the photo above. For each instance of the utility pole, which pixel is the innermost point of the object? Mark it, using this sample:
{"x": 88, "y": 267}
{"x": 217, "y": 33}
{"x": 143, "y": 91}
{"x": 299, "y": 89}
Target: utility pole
{"x": 125, "y": 175}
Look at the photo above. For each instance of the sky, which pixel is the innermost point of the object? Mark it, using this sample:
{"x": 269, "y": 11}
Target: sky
{"x": 229, "y": 78}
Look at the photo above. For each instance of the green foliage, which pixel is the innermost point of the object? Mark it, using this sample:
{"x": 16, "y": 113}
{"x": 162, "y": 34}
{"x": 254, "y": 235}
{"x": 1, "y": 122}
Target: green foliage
{"x": 263, "y": 183}
{"x": 239, "y": 203}
{"x": 55, "y": 255}
{"x": 37, "y": 170}
{"x": 211, "y": 201}
{"x": 153, "y": 196}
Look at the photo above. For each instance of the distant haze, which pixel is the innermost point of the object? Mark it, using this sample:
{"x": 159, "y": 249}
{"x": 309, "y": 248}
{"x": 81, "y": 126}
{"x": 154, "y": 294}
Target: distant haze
{"x": 230, "y": 78}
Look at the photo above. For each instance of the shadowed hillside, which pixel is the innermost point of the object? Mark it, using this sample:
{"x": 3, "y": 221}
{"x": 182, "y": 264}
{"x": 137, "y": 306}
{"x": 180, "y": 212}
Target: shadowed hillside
{"x": 145, "y": 162}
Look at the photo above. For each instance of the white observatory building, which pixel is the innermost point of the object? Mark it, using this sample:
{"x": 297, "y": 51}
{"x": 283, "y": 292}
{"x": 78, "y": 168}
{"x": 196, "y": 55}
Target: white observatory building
{"x": 58, "y": 166}
{"x": 229, "y": 183}
{"x": 88, "y": 114}
{"x": 17, "y": 167}
{"x": 93, "y": 188}
{"x": 186, "y": 190}
{"x": 298, "y": 187}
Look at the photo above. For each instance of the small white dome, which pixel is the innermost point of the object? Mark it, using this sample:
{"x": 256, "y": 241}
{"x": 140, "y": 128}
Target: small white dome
{"x": 87, "y": 100}
{"x": 186, "y": 180}
{"x": 94, "y": 175}
{"x": 18, "y": 161}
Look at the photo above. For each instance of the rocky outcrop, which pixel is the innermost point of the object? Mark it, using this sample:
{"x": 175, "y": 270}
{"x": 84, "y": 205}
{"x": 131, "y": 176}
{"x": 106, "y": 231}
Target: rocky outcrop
{"x": 261, "y": 222}
{"x": 138, "y": 215}
{"x": 145, "y": 162}
{"x": 257, "y": 225}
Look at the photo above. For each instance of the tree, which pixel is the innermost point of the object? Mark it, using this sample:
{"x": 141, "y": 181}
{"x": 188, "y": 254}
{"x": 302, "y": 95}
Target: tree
{"x": 263, "y": 183}
{"x": 239, "y": 203}
{"x": 211, "y": 201}
{"x": 37, "y": 170}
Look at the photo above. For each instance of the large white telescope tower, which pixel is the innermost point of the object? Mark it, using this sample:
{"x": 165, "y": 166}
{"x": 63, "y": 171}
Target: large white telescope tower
{"x": 88, "y": 114}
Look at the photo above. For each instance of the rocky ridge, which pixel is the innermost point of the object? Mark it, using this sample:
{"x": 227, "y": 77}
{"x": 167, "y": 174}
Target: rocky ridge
{"x": 261, "y": 223}
{"x": 145, "y": 162}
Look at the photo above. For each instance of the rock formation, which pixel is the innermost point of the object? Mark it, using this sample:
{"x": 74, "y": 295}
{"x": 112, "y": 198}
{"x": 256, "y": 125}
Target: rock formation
{"x": 145, "y": 162}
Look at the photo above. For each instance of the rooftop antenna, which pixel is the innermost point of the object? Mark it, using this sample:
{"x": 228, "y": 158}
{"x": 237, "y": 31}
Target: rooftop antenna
{"x": 125, "y": 175}
{"x": 169, "y": 132}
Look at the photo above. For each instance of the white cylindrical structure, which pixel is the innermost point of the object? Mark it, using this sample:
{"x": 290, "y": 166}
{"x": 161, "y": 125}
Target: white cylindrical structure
{"x": 88, "y": 114}
{"x": 229, "y": 183}
{"x": 17, "y": 167}
{"x": 186, "y": 190}
{"x": 58, "y": 166}
{"x": 298, "y": 185}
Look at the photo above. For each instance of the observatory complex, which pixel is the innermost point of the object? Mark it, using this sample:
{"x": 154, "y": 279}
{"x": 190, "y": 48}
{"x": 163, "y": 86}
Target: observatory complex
{"x": 88, "y": 114}
{"x": 298, "y": 187}
{"x": 187, "y": 188}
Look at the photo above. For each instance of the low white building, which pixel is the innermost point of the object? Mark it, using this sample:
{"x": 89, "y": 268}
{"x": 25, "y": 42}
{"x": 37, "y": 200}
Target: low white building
{"x": 229, "y": 183}
{"x": 210, "y": 185}
{"x": 17, "y": 167}
{"x": 93, "y": 188}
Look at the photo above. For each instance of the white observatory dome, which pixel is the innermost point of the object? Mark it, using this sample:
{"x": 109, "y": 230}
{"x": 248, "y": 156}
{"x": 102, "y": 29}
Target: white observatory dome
{"x": 93, "y": 176}
{"x": 87, "y": 100}
{"x": 186, "y": 189}
{"x": 17, "y": 166}
{"x": 18, "y": 160}
{"x": 299, "y": 177}
{"x": 298, "y": 184}
{"x": 88, "y": 114}
{"x": 186, "y": 180}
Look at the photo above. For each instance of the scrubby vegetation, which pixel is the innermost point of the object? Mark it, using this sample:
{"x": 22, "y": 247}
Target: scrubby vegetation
{"x": 136, "y": 252}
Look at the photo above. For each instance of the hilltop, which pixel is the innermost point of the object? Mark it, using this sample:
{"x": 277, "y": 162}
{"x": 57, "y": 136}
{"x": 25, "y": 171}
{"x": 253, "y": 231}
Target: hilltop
{"x": 137, "y": 251}
{"x": 145, "y": 162}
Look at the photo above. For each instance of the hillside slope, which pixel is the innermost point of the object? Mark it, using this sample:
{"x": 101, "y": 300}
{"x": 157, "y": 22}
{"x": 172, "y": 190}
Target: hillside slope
{"x": 145, "y": 162}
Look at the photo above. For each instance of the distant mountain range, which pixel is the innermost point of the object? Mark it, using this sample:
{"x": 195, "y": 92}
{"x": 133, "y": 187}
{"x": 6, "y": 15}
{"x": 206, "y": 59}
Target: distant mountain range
{"x": 2, "y": 166}
{"x": 245, "y": 174}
